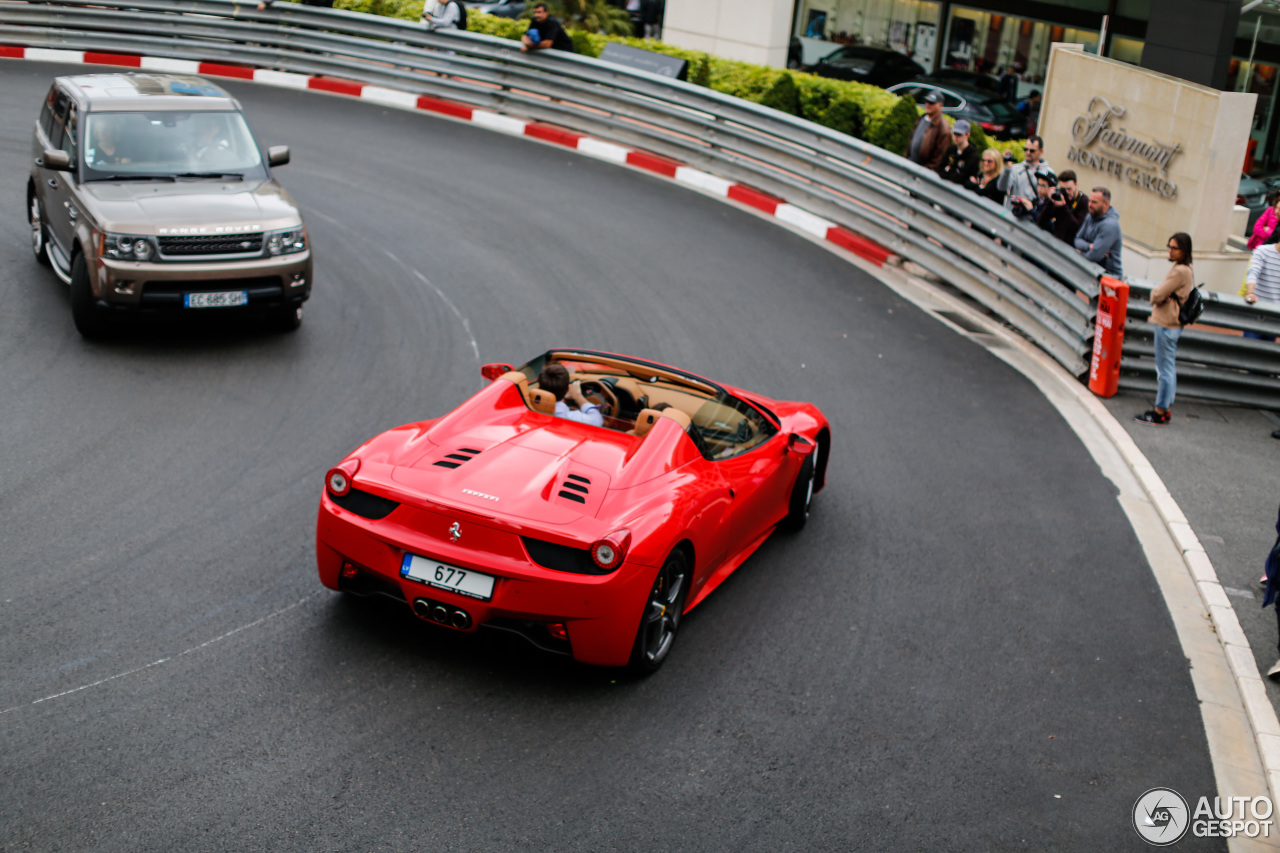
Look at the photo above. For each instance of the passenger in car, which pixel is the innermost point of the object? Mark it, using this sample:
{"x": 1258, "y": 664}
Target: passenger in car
{"x": 555, "y": 378}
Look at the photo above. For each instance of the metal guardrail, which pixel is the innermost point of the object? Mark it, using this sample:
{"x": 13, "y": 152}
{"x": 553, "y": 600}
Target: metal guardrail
{"x": 1037, "y": 284}
{"x": 1215, "y": 360}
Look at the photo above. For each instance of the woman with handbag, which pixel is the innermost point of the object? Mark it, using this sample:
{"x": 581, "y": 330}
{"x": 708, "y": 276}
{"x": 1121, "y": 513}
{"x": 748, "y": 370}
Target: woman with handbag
{"x": 1166, "y": 303}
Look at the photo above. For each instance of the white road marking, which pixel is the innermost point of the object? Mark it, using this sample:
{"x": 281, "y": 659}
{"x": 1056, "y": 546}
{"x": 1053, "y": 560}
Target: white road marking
{"x": 206, "y": 643}
{"x": 466, "y": 324}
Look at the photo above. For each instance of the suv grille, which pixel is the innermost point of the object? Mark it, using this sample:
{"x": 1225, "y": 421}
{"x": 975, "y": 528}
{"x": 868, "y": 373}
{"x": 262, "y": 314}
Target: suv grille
{"x": 211, "y": 244}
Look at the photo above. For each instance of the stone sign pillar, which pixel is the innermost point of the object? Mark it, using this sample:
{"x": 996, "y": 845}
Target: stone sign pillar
{"x": 756, "y": 31}
{"x": 1171, "y": 152}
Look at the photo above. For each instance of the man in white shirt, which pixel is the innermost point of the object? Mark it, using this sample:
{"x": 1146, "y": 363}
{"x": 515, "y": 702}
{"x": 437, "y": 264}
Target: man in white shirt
{"x": 555, "y": 378}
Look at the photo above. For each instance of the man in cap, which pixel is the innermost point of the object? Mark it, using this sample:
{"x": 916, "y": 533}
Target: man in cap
{"x": 963, "y": 160}
{"x": 931, "y": 136}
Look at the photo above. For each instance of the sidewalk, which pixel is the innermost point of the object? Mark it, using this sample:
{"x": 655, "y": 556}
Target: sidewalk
{"x": 1222, "y": 466}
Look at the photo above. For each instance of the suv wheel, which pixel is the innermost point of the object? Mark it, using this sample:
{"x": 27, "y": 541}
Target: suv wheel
{"x": 36, "y": 218}
{"x": 288, "y": 319}
{"x": 91, "y": 321}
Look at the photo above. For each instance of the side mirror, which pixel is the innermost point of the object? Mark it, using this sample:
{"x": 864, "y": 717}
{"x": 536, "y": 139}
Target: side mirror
{"x": 797, "y": 443}
{"x": 56, "y": 159}
{"x": 493, "y": 371}
{"x": 277, "y": 155}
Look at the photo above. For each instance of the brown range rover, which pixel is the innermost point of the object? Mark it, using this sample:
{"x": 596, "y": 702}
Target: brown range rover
{"x": 149, "y": 194}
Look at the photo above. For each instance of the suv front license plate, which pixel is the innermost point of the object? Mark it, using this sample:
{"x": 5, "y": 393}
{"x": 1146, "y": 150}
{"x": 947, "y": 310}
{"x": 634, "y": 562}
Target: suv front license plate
{"x": 229, "y": 299}
{"x": 443, "y": 576}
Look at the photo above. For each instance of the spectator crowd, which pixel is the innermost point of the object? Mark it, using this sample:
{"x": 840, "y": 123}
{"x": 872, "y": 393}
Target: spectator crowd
{"x": 1028, "y": 191}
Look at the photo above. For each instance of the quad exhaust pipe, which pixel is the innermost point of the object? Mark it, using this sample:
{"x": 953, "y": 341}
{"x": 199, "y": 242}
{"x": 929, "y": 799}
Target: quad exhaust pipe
{"x": 443, "y": 614}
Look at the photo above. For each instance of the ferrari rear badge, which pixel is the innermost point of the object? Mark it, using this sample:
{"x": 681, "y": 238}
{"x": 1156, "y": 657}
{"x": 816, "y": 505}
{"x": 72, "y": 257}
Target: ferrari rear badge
{"x": 455, "y": 532}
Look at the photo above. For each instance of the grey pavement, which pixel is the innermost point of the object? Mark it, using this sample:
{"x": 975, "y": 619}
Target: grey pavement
{"x": 1222, "y": 466}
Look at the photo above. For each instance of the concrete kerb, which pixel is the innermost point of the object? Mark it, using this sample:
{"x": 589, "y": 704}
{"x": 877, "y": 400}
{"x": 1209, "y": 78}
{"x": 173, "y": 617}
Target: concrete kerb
{"x": 1099, "y": 430}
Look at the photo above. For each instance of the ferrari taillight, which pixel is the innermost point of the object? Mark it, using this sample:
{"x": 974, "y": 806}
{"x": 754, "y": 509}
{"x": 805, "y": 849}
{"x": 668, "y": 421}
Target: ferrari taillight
{"x": 609, "y": 552}
{"x": 557, "y": 630}
{"x": 350, "y": 570}
{"x": 338, "y": 480}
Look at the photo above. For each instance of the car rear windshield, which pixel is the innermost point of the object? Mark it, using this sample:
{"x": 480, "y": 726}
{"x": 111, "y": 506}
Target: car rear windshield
{"x": 170, "y": 143}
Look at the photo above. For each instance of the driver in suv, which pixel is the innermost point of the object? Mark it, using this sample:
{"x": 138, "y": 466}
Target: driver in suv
{"x": 149, "y": 194}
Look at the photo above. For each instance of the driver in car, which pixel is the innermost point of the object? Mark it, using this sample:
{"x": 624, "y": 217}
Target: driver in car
{"x": 106, "y": 144}
{"x": 555, "y": 378}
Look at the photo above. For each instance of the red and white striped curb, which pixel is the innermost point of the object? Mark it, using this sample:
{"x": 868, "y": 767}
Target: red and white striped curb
{"x": 798, "y": 217}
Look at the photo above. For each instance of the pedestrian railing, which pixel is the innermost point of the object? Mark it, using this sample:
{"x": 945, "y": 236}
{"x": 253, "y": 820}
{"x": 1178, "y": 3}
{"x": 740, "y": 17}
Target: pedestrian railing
{"x": 1035, "y": 283}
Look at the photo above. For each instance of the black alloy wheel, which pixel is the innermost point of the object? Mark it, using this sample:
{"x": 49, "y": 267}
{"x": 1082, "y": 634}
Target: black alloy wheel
{"x": 802, "y": 494}
{"x": 663, "y": 610}
{"x": 288, "y": 319}
{"x": 91, "y": 321}
{"x": 38, "y": 239}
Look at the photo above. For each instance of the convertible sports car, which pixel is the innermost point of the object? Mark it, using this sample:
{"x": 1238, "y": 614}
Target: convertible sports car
{"x": 586, "y": 540}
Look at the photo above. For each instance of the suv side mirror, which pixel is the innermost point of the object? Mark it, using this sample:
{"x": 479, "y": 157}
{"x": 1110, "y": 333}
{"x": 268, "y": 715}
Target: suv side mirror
{"x": 277, "y": 155}
{"x": 56, "y": 159}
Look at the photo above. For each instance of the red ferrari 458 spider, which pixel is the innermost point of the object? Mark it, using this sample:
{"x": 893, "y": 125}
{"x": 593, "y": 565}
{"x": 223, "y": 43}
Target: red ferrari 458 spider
{"x": 591, "y": 541}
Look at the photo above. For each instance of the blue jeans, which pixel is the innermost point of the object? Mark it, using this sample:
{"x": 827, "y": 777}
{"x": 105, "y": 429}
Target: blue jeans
{"x": 1166, "y": 370}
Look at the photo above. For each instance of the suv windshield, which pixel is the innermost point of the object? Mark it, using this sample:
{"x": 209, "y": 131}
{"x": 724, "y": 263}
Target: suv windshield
{"x": 189, "y": 144}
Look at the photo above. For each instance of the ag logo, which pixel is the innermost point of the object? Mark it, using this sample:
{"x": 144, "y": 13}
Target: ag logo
{"x": 1161, "y": 817}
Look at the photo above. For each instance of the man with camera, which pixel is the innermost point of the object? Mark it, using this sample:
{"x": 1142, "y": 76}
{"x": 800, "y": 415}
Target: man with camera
{"x": 1029, "y": 209}
{"x": 1019, "y": 180}
{"x": 1066, "y": 209}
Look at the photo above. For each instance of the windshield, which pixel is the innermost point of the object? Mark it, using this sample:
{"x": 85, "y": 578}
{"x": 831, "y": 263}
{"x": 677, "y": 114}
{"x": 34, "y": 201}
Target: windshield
{"x": 196, "y": 144}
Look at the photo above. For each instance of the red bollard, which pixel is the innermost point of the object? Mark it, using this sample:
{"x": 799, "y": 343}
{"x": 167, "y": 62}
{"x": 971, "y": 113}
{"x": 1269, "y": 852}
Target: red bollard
{"x": 1108, "y": 337}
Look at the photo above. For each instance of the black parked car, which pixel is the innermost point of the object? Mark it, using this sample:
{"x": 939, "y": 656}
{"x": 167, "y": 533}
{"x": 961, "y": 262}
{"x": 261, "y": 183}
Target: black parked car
{"x": 998, "y": 117}
{"x": 867, "y": 65}
{"x": 501, "y": 8}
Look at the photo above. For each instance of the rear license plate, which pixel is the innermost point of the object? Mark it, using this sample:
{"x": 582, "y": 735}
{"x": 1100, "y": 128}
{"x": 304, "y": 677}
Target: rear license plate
{"x": 229, "y": 299}
{"x": 443, "y": 576}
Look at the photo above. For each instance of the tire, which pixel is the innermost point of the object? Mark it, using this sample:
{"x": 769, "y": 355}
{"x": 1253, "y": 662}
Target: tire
{"x": 802, "y": 495}
{"x": 39, "y": 237}
{"x": 91, "y": 321}
{"x": 287, "y": 319}
{"x": 663, "y": 611}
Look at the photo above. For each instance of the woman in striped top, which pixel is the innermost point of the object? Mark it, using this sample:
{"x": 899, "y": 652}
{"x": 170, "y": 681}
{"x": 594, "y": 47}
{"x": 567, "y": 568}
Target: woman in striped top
{"x": 1263, "y": 281}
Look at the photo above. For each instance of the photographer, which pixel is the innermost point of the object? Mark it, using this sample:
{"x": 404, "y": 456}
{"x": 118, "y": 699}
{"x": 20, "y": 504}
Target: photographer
{"x": 1029, "y": 209}
{"x": 1019, "y": 180}
{"x": 1066, "y": 209}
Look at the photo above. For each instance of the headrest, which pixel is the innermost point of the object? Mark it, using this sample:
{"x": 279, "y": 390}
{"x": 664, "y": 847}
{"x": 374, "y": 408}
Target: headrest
{"x": 677, "y": 416}
{"x": 645, "y": 421}
{"x": 517, "y": 377}
{"x": 541, "y": 401}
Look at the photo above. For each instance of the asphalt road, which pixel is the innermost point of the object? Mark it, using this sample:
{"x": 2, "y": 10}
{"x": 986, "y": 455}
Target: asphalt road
{"x": 964, "y": 650}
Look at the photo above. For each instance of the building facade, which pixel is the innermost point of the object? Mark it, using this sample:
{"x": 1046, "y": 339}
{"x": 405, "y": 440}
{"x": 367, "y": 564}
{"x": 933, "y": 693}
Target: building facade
{"x": 1230, "y": 45}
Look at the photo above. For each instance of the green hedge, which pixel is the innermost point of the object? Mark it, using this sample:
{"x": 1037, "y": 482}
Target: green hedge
{"x": 862, "y": 111}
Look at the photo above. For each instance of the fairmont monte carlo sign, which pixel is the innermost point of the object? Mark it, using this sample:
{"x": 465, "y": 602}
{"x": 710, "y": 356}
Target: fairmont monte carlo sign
{"x": 1141, "y": 162}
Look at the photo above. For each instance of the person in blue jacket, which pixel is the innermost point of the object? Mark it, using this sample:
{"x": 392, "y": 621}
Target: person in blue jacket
{"x": 1273, "y": 587}
{"x": 1099, "y": 238}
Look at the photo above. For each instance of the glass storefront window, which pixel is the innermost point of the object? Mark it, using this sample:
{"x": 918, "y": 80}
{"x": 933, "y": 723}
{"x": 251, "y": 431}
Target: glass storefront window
{"x": 907, "y": 26}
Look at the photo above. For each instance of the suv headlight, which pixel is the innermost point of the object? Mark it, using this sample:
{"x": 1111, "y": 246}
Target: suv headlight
{"x": 127, "y": 247}
{"x": 286, "y": 242}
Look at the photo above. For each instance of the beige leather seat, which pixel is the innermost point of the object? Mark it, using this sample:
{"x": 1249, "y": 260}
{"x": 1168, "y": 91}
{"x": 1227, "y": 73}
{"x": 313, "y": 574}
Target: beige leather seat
{"x": 536, "y": 398}
{"x": 541, "y": 401}
{"x": 648, "y": 417}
